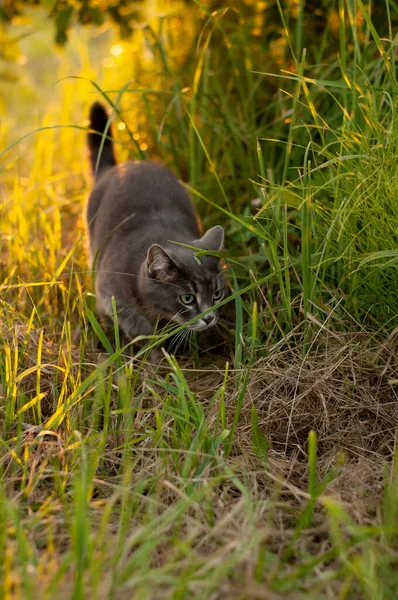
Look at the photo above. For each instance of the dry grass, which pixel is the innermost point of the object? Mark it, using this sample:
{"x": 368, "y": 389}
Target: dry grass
{"x": 344, "y": 387}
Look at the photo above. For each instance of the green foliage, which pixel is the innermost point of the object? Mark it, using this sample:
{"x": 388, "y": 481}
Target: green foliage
{"x": 66, "y": 13}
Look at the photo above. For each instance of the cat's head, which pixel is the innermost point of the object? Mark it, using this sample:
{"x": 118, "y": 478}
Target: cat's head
{"x": 178, "y": 286}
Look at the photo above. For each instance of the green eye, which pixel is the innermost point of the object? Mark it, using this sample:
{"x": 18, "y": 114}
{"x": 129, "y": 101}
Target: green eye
{"x": 218, "y": 294}
{"x": 187, "y": 299}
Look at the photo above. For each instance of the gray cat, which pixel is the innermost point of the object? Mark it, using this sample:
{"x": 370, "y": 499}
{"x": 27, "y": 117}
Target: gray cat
{"x": 135, "y": 212}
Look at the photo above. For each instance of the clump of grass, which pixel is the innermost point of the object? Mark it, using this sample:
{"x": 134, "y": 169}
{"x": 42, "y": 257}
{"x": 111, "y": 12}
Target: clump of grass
{"x": 264, "y": 468}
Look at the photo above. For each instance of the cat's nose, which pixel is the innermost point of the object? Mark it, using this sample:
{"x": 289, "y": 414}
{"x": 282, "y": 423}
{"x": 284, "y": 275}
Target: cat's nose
{"x": 208, "y": 319}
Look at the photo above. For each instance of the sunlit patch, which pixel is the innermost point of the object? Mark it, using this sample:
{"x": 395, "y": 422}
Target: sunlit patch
{"x": 175, "y": 22}
{"x": 136, "y": 137}
{"x": 85, "y": 123}
{"x": 108, "y": 62}
{"x": 143, "y": 147}
{"x": 117, "y": 50}
{"x": 121, "y": 126}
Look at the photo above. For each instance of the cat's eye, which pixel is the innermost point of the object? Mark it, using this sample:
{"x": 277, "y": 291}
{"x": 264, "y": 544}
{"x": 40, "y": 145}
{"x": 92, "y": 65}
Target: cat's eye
{"x": 187, "y": 299}
{"x": 218, "y": 294}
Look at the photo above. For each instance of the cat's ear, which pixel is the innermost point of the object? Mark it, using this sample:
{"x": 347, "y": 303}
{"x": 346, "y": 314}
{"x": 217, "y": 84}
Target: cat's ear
{"x": 160, "y": 264}
{"x": 213, "y": 239}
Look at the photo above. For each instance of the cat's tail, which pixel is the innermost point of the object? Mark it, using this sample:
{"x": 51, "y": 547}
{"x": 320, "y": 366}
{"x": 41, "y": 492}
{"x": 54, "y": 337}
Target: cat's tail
{"x": 102, "y": 154}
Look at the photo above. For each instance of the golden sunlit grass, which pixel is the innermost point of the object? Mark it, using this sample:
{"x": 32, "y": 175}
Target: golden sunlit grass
{"x": 263, "y": 464}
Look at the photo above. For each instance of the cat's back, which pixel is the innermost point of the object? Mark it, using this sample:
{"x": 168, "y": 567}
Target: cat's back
{"x": 144, "y": 185}
{"x": 144, "y": 189}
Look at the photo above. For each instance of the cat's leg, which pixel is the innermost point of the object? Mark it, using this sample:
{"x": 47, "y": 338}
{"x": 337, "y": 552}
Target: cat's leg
{"x": 133, "y": 323}
{"x": 103, "y": 300}
{"x": 130, "y": 321}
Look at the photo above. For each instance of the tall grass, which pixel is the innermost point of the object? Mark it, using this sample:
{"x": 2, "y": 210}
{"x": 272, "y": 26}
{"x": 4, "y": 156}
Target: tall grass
{"x": 265, "y": 464}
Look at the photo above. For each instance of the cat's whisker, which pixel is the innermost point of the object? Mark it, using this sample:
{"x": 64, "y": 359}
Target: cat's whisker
{"x": 180, "y": 333}
{"x": 190, "y": 338}
{"x": 177, "y": 348}
{"x": 186, "y": 338}
{"x": 181, "y": 339}
{"x": 174, "y": 343}
{"x": 175, "y": 339}
{"x": 169, "y": 323}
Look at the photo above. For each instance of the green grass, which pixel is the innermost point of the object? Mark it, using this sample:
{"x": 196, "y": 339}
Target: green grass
{"x": 263, "y": 464}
